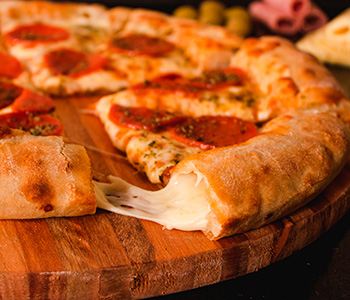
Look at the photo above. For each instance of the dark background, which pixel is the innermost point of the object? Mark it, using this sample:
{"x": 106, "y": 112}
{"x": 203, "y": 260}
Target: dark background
{"x": 332, "y": 8}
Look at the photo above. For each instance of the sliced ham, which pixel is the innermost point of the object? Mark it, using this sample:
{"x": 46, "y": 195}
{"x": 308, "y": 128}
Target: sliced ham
{"x": 314, "y": 19}
{"x": 275, "y": 19}
{"x": 291, "y": 7}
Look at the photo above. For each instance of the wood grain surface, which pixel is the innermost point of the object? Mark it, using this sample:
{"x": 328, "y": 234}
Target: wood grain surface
{"x": 108, "y": 256}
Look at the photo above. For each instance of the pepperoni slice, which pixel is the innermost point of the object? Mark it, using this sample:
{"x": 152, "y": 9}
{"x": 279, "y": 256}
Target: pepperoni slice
{"x": 29, "y": 101}
{"x": 142, "y": 117}
{"x": 8, "y": 94}
{"x": 169, "y": 83}
{"x": 73, "y": 63}
{"x": 31, "y": 35}
{"x": 140, "y": 44}
{"x": 208, "y": 132}
{"x": 10, "y": 66}
{"x": 34, "y": 124}
{"x": 220, "y": 78}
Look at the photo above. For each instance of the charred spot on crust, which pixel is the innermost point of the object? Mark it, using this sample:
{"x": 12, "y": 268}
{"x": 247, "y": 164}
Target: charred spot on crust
{"x": 40, "y": 192}
{"x": 46, "y": 208}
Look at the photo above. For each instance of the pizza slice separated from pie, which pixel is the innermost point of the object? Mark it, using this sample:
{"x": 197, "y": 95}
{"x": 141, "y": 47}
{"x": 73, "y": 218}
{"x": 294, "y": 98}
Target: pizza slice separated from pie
{"x": 43, "y": 177}
{"x": 331, "y": 43}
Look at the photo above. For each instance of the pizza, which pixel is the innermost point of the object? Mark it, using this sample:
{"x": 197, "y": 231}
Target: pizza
{"x": 235, "y": 133}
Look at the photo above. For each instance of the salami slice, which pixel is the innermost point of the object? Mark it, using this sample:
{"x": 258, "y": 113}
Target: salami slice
{"x": 8, "y": 94}
{"x": 208, "y": 132}
{"x": 10, "y": 66}
{"x": 29, "y": 101}
{"x": 42, "y": 124}
{"x": 72, "y": 63}
{"x": 142, "y": 117}
{"x": 31, "y": 35}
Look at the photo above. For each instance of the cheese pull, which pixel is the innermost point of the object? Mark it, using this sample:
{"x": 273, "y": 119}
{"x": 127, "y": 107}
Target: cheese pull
{"x": 229, "y": 190}
{"x": 180, "y": 205}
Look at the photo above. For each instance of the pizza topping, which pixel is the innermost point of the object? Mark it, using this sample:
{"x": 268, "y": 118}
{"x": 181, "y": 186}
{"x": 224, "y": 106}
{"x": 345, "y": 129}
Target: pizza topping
{"x": 219, "y": 78}
{"x": 8, "y": 94}
{"x": 34, "y": 34}
{"x": 140, "y": 44}
{"x": 10, "y": 66}
{"x": 73, "y": 63}
{"x": 33, "y": 102}
{"x": 34, "y": 124}
{"x": 142, "y": 117}
{"x": 169, "y": 83}
{"x": 24, "y": 100}
{"x": 208, "y": 132}
{"x": 174, "y": 83}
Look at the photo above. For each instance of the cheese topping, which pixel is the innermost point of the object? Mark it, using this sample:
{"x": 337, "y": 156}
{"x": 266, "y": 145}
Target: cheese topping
{"x": 180, "y": 205}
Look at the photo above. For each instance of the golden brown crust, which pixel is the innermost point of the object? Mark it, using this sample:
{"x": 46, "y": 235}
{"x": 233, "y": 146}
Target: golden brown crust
{"x": 43, "y": 177}
{"x": 286, "y": 77}
{"x": 294, "y": 158}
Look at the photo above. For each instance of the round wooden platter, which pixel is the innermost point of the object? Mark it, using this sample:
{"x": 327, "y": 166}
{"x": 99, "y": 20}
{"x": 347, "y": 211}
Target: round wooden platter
{"x": 116, "y": 257}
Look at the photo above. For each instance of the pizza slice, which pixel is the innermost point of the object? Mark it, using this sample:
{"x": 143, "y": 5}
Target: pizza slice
{"x": 231, "y": 190}
{"x": 157, "y": 128}
{"x": 43, "y": 177}
{"x": 331, "y": 43}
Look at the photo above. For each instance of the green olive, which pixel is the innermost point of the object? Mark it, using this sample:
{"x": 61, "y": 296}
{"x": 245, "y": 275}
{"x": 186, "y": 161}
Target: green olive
{"x": 212, "y": 12}
{"x": 235, "y": 11}
{"x": 185, "y": 11}
{"x": 239, "y": 26}
{"x": 238, "y": 20}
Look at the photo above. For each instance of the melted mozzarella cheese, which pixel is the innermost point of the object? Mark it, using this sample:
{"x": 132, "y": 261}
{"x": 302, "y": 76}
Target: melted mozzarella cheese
{"x": 180, "y": 205}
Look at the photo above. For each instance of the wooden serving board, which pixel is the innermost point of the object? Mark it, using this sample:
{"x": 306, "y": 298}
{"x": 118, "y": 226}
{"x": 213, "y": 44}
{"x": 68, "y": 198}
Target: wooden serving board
{"x": 116, "y": 257}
